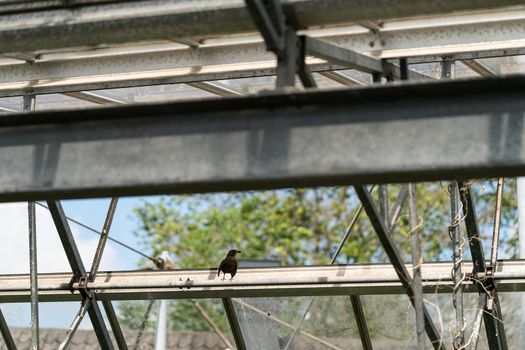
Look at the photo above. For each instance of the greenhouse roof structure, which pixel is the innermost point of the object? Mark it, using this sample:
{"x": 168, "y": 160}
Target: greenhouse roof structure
{"x": 110, "y": 98}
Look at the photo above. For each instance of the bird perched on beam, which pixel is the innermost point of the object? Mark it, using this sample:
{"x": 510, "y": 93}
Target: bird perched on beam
{"x": 228, "y": 264}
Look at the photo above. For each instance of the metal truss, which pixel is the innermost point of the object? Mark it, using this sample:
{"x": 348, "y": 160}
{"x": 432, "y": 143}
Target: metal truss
{"x": 275, "y": 140}
{"x": 100, "y": 23}
{"x": 462, "y": 36}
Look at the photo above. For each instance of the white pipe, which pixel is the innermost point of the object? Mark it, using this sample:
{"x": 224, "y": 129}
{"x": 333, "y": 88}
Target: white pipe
{"x": 162, "y": 326}
{"x": 162, "y": 320}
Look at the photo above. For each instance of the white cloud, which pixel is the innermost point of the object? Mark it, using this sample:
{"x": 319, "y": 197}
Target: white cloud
{"x": 14, "y": 247}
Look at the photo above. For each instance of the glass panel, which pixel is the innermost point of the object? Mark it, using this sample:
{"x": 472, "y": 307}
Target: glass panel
{"x": 329, "y": 324}
{"x": 512, "y": 309}
{"x": 189, "y": 324}
{"x": 10, "y": 104}
{"x": 391, "y": 321}
{"x": 59, "y": 101}
{"x": 443, "y": 313}
{"x": 269, "y": 323}
{"x": 155, "y": 93}
{"x": 251, "y": 85}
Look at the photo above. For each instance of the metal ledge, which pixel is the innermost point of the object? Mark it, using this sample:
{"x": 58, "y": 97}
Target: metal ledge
{"x": 364, "y": 279}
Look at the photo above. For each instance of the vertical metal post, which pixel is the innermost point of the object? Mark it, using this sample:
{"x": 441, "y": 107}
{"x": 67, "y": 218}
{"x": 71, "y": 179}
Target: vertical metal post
{"x": 448, "y": 68}
{"x": 29, "y": 104}
{"x": 34, "y": 276}
{"x": 287, "y": 59}
{"x": 492, "y": 317}
{"x": 521, "y": 239}
{"x": 416, "y": 267}
{"x": 457, "y": 257}
{"x": 497, "y": 220}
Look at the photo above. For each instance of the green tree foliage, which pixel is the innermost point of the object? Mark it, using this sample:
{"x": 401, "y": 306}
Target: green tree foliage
{"x": 294, "y": 226}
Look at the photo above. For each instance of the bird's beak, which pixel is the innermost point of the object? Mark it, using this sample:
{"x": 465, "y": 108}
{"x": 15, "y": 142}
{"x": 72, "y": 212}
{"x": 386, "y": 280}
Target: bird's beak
{"x": 239, "y": 251}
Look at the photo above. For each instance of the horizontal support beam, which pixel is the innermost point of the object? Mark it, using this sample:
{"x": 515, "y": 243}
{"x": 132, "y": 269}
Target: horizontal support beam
{"x": 466, "y": 36}
{"x": 133, "y": 21}
{"x": 363, "y": 279}
{"x": 352, "y": 59}
{"x": 377, "y": 134}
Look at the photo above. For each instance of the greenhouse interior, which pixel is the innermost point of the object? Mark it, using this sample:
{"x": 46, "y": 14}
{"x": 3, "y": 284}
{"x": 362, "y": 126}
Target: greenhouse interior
{"x": 262, "y": 174}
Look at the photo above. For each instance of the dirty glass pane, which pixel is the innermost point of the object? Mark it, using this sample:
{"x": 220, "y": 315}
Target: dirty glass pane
{"x": 191, "y": 324}
{"x": 270, "y": 323}
{"x": 512, "y": 309}
{"x": 329, "y": 324}
{"x": 391, "y": 321}
{"x": 443, "y": 314}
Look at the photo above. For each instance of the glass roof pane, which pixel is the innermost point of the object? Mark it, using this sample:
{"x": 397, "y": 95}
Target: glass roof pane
{"x": 59, "y": 101}
{"x": 10, "y": 104}
{"x": 251, "y": 85}
{"x": 155, "y": 93}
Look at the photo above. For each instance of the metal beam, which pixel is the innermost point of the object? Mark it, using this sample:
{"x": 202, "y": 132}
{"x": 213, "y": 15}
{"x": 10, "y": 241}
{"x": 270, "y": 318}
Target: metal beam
{"x": 6, "y": 333}
{"x": 465, "y": 36}
{"x": 133, "y": 21}
{"x": 77, "y": 266}
{"x": 341, "y": 78}
{"x": 66, "y": 237}
{"x": 352, "y": 59}
{"x": 360, "y": 319}
{"x": 234, "y": 324}
{"x": 33, "y": 265}
{"x": 307, "y": 138}
{"x": 94, "y": 98}
{"x": 115, "y": 325}
{"x": 215, "y": 88}
{"x": 356, "y": 279}
{"x": 479, "y": 67}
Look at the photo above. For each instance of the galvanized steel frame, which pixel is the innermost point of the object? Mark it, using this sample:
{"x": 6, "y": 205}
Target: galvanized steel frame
{"x": 279, "y": 37}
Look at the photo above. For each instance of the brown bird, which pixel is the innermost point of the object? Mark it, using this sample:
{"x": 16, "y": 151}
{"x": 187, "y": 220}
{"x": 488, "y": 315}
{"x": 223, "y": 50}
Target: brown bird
{"x": 229, "y": 264}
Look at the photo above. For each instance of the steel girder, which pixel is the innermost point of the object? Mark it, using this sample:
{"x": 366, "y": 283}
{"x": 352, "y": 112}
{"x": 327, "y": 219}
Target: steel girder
{"x": 383, "y": 134}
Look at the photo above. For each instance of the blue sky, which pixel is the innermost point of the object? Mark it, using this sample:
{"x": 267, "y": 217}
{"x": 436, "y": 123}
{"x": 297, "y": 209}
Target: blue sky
{"x": 92, "y": 212}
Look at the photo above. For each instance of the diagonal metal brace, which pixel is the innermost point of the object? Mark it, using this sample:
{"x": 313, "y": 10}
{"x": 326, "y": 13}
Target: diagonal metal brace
{"x": 77, "y": 266}
{"x": 396, "y": 260}
{"x": 103, "y": 238}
